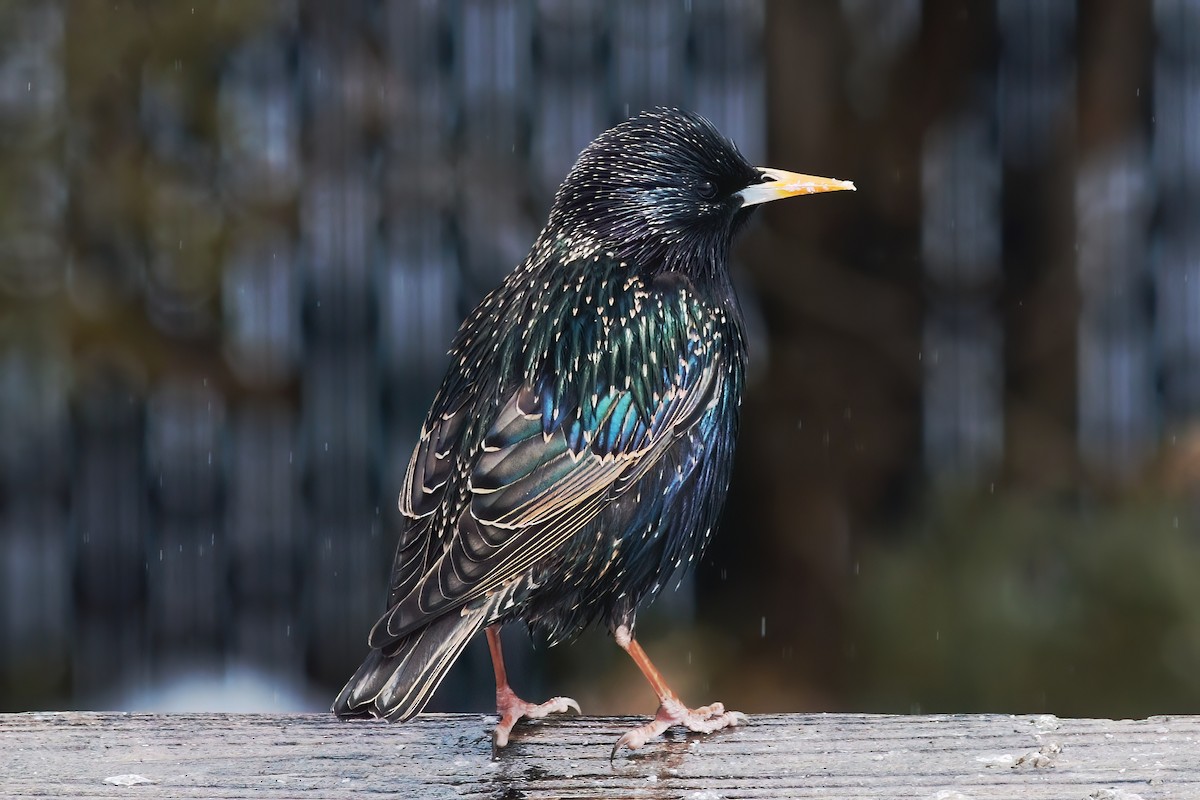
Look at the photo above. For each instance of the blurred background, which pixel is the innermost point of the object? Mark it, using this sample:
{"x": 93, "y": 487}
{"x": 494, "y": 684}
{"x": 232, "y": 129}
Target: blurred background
{"x": 237, "y": 237}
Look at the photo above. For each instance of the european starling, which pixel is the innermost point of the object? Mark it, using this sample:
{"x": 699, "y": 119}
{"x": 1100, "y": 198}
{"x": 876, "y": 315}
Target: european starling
{"x": 579, "y": 448}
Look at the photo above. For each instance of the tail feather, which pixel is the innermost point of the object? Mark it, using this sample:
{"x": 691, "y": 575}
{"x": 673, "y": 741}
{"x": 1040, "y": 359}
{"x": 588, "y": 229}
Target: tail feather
{"x": 397, "y": 681}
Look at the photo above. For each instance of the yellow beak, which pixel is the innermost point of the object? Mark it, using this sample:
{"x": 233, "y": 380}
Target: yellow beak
{"x": 789, "y": 184}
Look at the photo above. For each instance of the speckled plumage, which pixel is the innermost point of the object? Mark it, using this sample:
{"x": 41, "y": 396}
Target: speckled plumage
{"x": 579, "y": 449}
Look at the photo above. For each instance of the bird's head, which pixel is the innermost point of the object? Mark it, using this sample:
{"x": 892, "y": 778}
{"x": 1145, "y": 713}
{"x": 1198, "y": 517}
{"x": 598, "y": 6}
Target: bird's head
{"x": 666, "y": 190}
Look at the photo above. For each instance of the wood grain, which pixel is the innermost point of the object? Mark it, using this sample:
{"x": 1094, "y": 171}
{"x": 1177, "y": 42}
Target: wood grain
{"x": 435, "y": 756}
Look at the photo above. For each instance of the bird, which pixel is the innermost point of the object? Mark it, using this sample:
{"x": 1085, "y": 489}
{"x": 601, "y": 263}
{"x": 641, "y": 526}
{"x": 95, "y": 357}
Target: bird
{"x": 578, "y": 451}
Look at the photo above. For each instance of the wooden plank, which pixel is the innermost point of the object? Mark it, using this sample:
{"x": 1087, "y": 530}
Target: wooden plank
{"x": 434, "y": 756}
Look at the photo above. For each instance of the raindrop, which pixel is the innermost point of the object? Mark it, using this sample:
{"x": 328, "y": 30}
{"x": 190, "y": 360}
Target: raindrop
{"x": 762, "y": 630}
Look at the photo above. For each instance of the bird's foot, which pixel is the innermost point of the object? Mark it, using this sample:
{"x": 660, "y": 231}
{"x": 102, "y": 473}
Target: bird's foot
{"x": 513, "y": 709}
{"x": 705, "y": 719}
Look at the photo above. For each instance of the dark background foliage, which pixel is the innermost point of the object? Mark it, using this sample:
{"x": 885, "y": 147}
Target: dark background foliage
{"x": 236, "y": 238}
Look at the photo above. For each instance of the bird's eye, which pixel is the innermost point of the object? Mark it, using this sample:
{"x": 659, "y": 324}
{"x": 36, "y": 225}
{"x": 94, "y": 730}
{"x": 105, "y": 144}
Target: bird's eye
{"x": 707, "y": 190}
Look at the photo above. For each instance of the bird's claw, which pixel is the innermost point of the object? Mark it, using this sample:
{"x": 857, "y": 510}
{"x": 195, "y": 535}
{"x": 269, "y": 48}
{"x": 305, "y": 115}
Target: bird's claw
{"x": 705, "y": 719}
{"x": 513, "y": 709}
{"x": 555, "y": 705}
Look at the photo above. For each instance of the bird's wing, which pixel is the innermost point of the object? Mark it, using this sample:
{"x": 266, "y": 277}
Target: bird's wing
{"x": 430, "y": 473}
{"x": 540, "y": 474}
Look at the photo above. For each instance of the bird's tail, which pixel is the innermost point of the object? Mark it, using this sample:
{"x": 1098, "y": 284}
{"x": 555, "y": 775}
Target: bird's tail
{"x": 396, "y": 682}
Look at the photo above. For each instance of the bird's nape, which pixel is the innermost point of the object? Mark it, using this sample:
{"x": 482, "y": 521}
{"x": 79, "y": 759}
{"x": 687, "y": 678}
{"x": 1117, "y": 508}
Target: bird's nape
{"x": 579, "y": 449}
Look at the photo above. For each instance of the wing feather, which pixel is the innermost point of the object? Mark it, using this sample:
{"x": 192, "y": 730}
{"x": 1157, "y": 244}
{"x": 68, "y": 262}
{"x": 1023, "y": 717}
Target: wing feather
{"x": 531, "y": 493}
{"x": 490, "y": 493}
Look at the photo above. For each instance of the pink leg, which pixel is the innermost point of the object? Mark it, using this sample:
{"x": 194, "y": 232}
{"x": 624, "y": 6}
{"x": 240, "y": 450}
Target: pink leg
{"x": 671, "y": 710}
{"x": 511, "y": 708}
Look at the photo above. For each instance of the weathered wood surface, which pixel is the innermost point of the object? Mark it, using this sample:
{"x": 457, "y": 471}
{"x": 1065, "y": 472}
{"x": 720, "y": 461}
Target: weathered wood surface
{"x": 779, "y": 756}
